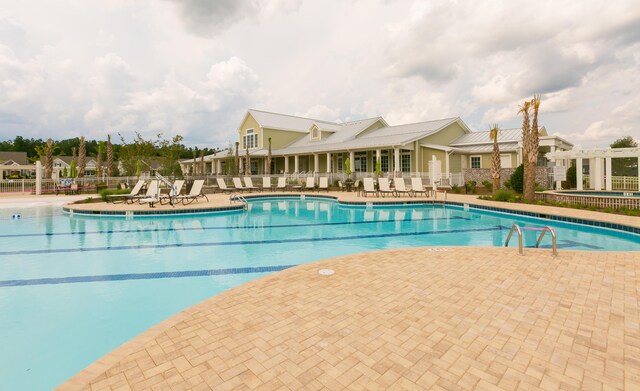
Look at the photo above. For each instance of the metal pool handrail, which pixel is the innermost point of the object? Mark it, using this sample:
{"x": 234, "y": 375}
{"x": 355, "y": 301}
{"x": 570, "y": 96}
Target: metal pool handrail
{"x": 516, "y": 227}
{"x": 239, "y": 197}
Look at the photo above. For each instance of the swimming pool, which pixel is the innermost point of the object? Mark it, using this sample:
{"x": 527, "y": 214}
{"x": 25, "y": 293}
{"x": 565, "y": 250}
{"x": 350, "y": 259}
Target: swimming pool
{"x": 73, "y": 288}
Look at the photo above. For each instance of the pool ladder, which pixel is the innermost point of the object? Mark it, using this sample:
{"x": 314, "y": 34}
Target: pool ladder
{"x": 240, "y": 198}
{"x": 543, "y": 231}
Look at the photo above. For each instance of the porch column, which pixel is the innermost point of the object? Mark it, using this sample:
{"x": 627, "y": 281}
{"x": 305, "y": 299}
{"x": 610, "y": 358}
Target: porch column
{"x": 286, "y": 164}
{"x": 597, "y": 174}
{"x": 316, "y": 162}
{"x": 296, "y": 164}
{"x": 446, "y": 163}
{"x": 579, "y": 173}
{"x": 328, "y": 162}
{"x": 219, "y": 169}
{"x": 396, "y": 161}
{"x": 607, "y": 170}
{"x": 352, "y": 162}
{"x": 241, "y": 166}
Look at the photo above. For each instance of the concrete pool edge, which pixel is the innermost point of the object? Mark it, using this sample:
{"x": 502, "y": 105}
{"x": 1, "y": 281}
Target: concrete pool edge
{"x": 109, "y": 369}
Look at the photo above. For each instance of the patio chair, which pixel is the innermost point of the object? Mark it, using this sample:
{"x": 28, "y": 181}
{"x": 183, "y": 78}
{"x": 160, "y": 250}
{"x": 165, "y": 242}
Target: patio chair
{"x": 369, "y": 187}
{"x": 341, "y": 186}
{"x": 417, "y": 187}
{"x": 266, "y": 183}
{"x": 356, "y": 186}
{"x": 222, "y": 186}
{"x": 115, "y": 198}
{"x": 282, "y": 183}
{"x": 195, "y": 193}
{"x": 384, "y": 188}
{"x": 175, "y": 191}
{"x": 400, "y": 187}
{"x": 237, "y": 185}
{"x": 248, "y": 184}
{"x": 310, "y": 184}
{"x": 324, "y": 184}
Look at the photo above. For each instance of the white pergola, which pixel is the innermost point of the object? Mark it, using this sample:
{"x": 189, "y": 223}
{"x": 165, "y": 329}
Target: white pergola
{"x": 596, "y": 158}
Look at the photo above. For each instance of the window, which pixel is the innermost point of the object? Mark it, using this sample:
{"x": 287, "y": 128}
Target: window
{"x": 339, "y": 163}
{"x": 405, "y": 160}
{"x": 250, "y": 140}
{"x": 360, "y": 163}
{"x": 475, "y": 161}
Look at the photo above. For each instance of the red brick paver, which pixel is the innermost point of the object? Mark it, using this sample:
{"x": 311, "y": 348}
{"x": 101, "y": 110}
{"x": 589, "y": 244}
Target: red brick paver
{"x": 466, "y": 318}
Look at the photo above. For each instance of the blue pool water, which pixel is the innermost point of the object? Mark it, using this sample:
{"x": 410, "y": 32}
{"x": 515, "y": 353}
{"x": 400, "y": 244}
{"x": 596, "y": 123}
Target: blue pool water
{"x": 74, "y": 288}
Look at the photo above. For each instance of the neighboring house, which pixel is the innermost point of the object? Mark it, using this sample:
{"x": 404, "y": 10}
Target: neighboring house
{"x": 13, "y": 159}
{"x": 62, "y": 162}
{"x": 442, "y": 147}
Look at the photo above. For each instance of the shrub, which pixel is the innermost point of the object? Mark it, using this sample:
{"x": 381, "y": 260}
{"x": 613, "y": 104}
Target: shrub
{"x": 504, "y": 195}
{"x": 488, "y": 185}
{"x": 516, "y": 181}
{"x": 470, "y": 187}
{"x": 540, "y": 188}
{"x": 456, "y": 189}
{"x": 572, "y": 176}
{"x": 104, "y": 194}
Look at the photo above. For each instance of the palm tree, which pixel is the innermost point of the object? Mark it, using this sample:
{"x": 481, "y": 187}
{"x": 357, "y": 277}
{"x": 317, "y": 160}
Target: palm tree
{"x": 495, "y": 158}
{"x": 269, "y": 158}
{"x": 237, "y": 167}
{"x": 247, "y": 166}
{"x": 99, "y": 160}
{"x": 526, "y": 130}
{"x": 82, "y": 154}
{"x": 202, "y": 166}
{"x": 193, "y": 164}
{"x": 109, "y": 157}
{"x": 48, "y": 159}
{"x": 532, "y": 152}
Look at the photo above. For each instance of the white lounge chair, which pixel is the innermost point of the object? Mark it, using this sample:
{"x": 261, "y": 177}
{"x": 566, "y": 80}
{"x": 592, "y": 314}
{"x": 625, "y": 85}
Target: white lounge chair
{"x": 324, "y": 183}
{"x": 153, "y": 194}
{"x": 248, "y": 184}
{"x": 384, "y": 187}
{"x": 417, "y": 187}
{"x": 175, "y": 191}
{"x": 222, "y": 185}
{"x": 237, "y": 184}
{"x": 310, "y": 184}
{"x": 369, "y": 187}
{"x": 123, "y": 197}
{"x": 400, "y": 187}
{"x": 266, "y": 183}
{"x": 282, "y": 183}
{"x": 195, "y": 193}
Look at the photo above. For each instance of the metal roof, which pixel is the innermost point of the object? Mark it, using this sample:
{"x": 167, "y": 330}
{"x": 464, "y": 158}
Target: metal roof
{"x": 504, "y": 135}
{"x": 504, "y": 147}
{"x": 288, "y": 122}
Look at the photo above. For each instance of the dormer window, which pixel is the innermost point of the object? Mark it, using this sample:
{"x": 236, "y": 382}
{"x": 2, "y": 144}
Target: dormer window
{"x": 315, "y": 133}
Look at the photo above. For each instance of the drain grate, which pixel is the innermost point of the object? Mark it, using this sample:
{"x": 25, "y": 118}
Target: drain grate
{"x": 326, "y": 272}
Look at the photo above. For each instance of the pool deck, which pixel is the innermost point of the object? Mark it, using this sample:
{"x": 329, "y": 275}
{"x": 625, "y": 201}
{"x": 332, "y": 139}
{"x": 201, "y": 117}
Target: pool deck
{"x": 413, "y": 318}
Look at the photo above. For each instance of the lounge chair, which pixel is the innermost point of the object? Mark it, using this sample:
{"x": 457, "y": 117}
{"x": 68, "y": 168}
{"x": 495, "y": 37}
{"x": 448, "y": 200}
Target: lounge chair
{"x": 324, "y": 183}
{"x": 123, "y": 197}
{"x": 310, "y": 184}
{"x": 237, "y": 184}
{"x": 295, "y": 186}
{"x": 369, "y": 187}
{"x": 400, "y": 187}
{"x": 222, "y": 185}
{"x": 248, "y": 184}
{"x": 175, "y": 191}
{"x": 195, "y": 193}
{"x": 152, "y": 195}
{"x": 383, "y": 187}
{"x": 282, "y": 183}
{"x": 266, "y": 183}
{"x": 417, "y": 187}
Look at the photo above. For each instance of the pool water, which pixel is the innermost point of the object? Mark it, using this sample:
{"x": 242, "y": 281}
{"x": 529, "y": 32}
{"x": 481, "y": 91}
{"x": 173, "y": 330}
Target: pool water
{"x": 74, "y": 288}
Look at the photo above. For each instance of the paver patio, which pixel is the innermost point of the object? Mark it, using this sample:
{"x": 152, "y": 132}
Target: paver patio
{"x": 416, "y": 318}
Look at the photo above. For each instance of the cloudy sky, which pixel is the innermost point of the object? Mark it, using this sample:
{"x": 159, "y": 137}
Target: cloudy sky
{"x": 193, "y": 67}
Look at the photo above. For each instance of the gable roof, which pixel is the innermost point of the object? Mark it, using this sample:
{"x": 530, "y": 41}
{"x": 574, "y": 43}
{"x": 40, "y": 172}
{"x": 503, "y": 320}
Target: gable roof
{"x": 15, "y": 157}
{"x": 292, "y": 123}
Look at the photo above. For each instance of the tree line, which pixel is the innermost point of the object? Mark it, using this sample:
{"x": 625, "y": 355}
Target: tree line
{"x": 129, "y": 153}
